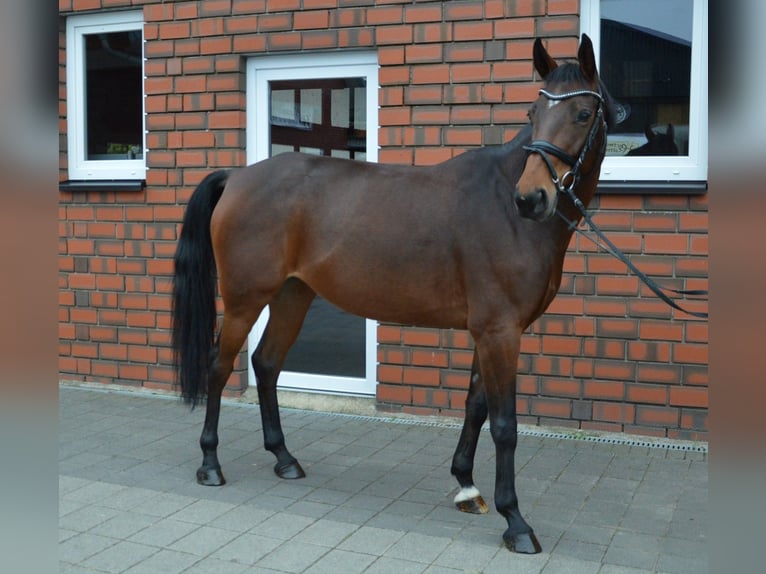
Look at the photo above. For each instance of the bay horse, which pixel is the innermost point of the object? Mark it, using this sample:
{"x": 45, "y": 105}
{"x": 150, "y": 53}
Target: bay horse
{"x": 471, "y": 243}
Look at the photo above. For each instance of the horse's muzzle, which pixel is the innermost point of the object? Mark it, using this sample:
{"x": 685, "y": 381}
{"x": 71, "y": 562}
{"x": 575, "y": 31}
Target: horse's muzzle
{"x": 533, "y": 205}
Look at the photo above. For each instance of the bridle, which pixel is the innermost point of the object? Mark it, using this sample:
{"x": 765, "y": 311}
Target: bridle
{"x": 571, "y": 178}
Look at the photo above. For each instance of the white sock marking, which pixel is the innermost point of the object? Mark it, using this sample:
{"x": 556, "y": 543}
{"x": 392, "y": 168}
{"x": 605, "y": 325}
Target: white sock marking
{"x": 467, "y": 493}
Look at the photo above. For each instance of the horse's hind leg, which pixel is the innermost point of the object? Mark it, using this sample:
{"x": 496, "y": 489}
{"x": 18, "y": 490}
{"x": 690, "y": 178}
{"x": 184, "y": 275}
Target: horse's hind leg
{"x": 469, "y": 499}
{"x": 286, "y": 313}
{"x": 234, "y": 330}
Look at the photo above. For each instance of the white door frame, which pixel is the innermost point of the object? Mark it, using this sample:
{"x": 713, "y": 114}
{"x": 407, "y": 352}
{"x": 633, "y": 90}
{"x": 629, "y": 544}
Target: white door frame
{"x": 261, "y": 71}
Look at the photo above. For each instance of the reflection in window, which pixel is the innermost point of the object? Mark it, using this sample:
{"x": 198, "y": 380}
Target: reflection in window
{"x": 321, "y": 117}
{"x": 114, "y": 95}
{"x": 646, "y": 65}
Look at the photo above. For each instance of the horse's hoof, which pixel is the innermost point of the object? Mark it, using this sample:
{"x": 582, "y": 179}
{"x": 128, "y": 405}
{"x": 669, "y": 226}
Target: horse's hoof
{"x": 522, "y": 543}
{"x": 290, "y": 471}
{"x": 468, "y": 499}
{"x": 473, "y": 505}
{"x": 210, "y": 476}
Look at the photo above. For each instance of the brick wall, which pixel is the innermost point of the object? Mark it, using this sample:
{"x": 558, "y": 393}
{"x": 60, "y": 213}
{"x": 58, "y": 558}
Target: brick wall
{"x": 453, "y": 75}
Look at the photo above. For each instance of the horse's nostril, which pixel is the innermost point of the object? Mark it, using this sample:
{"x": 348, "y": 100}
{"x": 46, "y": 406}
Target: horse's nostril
{"x": 541, "y": 198}
{"x": 532, "y": 203}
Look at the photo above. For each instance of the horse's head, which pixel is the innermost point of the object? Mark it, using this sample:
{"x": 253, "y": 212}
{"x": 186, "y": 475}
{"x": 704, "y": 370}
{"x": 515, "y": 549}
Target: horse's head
{"x": 569, "y": 122}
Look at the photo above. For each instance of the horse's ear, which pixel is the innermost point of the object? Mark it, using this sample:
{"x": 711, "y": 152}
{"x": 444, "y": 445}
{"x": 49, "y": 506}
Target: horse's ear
{"x": 671, "y": 132}
{"x": 586, "y": 58}
{"x": 649, "y": 132}
{"x": 544, "y": 64}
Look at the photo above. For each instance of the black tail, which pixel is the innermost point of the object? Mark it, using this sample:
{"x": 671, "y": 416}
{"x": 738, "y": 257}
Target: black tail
{"x": 194, "y": 290}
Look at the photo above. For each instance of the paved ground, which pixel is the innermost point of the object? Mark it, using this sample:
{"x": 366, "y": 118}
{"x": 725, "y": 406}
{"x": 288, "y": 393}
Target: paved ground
{"x": 377, "y": 499}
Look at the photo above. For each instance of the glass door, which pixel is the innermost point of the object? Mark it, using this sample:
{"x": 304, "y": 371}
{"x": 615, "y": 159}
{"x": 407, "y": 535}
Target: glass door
{"x": 321, "y": 105}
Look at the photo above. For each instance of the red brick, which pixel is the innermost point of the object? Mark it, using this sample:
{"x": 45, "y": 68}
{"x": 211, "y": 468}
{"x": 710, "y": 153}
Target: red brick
{"x": 654, "y": 394}
{"x": 549, "y": 407}
{"x": 690, "y": 353}
{"x": 557, "y": 26}
{"x": 471, "y": 114}
{"x": 429, "y": 115}
{"x": 436, "y": 32}
{"x": 413, "y": 14}
{"x": 311, "y": 19}
{"x": 385, "y": 15}
{"x": 393, "y": 35}
{"x": 613, "y": 412}
{"x": 432, "y": 156}
{"x": 422, "y": 53}
{"x": 689, "y": 397}
{"x": 425, "y": 94}
{"x": 431, "y": 397}
{"x": 464, "y": 10}
{"x": 562, "y": 387}
{"x": 657, "y": 416}
{"x": 473, "y": 31}
{"x": 356, "y": 37}
{"x": 603, "y": 390}
{"x": 471, "y": 73}
{"x": 431, "y": 74}
{"x": 399, "y": 394}
{"x": 659, "y": 373}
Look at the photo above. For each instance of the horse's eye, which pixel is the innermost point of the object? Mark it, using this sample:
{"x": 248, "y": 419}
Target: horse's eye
{"x": 531, "y": 112}
{"x": 583, "y": 116}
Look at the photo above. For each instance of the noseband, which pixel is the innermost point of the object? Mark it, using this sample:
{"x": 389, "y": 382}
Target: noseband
{"x": 571, "y": 178}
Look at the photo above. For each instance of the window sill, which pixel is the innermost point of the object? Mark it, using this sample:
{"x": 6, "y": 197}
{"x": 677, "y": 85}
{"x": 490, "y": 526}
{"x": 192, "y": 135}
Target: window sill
{"x": 102, "y": 185}
{"x": 652, "y": 187}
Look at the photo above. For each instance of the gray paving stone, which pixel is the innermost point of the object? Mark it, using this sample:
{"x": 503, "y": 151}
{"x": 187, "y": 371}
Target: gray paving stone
{"x": 202, "y": 511}
{"x": 462, "y": 556}
{"x": 164, "y": 562}
{"x": 369, "y": 540}
{"x": 418, "y": 547}
{"x": 119, "y": 557}
{"x": 386, "y": 565}
{"x": 86, "y": 518}
{"x": 215, "y": 566}
{"x": 560, "y": 565}
{"x": 325, "y": 533}
{"x": 79, "y": 547}
{"x": 288, "y": 558}
{"x": 204, "y": 541}
{"x": 247, "y": 549}
{"x": 163, "y": 533}
{"x": 337, "y": 561}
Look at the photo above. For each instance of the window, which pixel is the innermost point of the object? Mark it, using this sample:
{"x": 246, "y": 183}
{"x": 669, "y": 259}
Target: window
{"x": 653, "y": 59}
{"x": 105, "y": 96}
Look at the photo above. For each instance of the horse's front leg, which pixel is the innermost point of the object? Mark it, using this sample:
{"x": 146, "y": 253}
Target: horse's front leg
{"x": 469, "y": 499}
{"x": 498, "y": 356}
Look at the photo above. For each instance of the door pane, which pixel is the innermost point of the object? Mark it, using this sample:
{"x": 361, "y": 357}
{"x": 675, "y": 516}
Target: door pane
{"x": 321, "y": 117}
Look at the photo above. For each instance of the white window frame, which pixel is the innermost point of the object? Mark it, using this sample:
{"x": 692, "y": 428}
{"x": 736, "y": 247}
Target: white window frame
{"x": 81, "y": 168}
{"x": 692, "y": 167}
{"x": 260, "y": 72}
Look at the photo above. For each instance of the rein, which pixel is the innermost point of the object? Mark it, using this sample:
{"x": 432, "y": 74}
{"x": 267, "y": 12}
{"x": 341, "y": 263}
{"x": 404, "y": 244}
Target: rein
{"x": 613, "y": 250}
{"x": 571, "y": 178}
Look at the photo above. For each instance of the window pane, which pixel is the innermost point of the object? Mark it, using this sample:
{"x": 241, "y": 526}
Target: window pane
{"x": 114, "y": 105}
{"x": 646, "y": 64}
